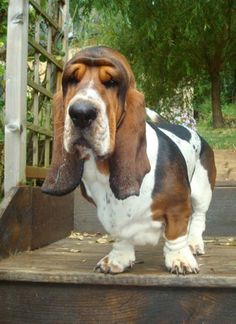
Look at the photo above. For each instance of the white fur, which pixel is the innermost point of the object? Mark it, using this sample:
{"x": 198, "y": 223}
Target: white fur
{"x": 152, "y": 114}
{"x": 190, "y": 150}
{"x": 178, "y": 256}
{"x": 98, "y": 134}
{"x": 121, "y": 257}
{"x": 128, "y": 219}
{"x": 201, "y": 194}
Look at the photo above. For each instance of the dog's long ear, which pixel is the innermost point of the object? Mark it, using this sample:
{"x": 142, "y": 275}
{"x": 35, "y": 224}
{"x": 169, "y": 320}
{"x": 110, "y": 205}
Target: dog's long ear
{"x": 129, "y": 162}
{"x": 66, "y": 169}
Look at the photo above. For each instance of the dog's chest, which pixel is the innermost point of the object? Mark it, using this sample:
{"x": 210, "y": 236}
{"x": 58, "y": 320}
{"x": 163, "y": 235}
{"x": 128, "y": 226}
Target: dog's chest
{"x": 130, "y": 218}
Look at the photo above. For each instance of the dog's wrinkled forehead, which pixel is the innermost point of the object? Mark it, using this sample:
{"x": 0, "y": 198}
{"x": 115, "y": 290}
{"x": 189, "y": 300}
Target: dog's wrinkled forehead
{"x": 99, "y": 57}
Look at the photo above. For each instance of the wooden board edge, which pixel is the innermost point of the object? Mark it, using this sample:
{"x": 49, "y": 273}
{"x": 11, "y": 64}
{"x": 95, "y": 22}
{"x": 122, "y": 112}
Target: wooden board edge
{"x": 30, "y": 219}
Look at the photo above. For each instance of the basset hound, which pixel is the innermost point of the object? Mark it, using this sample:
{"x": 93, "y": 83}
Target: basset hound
{"x": 147, "y": 179}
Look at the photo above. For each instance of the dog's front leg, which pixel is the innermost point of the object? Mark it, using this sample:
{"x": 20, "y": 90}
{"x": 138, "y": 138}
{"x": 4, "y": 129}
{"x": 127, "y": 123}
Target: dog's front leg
{"x": 121, "y": 258}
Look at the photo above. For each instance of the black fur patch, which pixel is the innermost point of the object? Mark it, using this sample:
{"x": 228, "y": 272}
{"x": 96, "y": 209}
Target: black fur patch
{"x": 169, "y": 157}
{"x": 177, "y": 130}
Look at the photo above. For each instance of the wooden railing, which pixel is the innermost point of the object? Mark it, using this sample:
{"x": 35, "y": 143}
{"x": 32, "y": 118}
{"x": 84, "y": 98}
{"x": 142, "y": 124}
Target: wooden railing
{"x": 36, "y": 51}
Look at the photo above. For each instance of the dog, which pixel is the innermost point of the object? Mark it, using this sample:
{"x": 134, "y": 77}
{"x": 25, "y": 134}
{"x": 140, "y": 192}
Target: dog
{"x": 147, "y": 179}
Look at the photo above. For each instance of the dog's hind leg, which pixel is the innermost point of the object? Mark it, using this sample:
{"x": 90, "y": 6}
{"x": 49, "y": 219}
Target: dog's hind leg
{"x": 202, "y": 184}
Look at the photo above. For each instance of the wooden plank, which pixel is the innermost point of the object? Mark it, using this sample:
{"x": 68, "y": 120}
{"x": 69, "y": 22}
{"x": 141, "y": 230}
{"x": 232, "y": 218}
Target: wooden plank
{"x": 16, "y": 85}
{"x": 15, "y": 221}
{"x": 85, "y": 215}
{"x": 221, "y": 218}
{"x": 42, "y": 50}
{"x": 39, "y": 88}
{"x": 49, "y": 303}
{"x": 30, "y": 219}
{"x": 36, "y": 94}
{"x": 40, "y": 130}
{"x": 33, "y": 172}
{"x": 52, "y": 218}
{"x": 44, "y": 14}
{"x": 65, "y": 23}
{"x": 73, "y": 261}
{"x": 48, "y": 106}
{"x": 226, "y": 183}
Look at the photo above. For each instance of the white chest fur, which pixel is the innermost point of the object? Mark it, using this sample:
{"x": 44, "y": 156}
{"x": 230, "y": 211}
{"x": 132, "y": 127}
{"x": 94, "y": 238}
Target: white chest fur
{"x": 129, "y": 218}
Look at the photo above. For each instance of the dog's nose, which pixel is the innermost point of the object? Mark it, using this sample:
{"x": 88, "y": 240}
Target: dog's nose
{"x": 82, "y": 114}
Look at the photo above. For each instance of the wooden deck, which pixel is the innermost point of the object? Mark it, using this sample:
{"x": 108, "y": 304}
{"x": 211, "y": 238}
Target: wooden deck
{"x": 72, "y": 260}
{"x": 57, "y": 284}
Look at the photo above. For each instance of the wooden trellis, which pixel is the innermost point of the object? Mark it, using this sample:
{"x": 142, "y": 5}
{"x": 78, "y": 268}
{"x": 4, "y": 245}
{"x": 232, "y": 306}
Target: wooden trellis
{"x": 36, "y": 49}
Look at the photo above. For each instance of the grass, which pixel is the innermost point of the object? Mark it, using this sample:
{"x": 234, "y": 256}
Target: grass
{"x": 220, "y": 138}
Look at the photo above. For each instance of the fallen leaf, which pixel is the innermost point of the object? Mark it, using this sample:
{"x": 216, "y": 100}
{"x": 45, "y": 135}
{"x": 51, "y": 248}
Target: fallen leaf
{"x": 75, "y": 250}
{"x": 102, "y": 240}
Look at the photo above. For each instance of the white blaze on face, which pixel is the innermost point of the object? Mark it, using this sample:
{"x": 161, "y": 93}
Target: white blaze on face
{"x": 97, "y": 134}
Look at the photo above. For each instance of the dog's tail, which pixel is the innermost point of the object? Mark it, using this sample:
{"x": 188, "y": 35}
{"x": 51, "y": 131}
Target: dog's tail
{"x": 155, "y": 117}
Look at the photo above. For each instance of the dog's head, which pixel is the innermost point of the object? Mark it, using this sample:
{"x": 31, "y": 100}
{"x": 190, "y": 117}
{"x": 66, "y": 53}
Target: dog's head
{"x": 99, "y": 112}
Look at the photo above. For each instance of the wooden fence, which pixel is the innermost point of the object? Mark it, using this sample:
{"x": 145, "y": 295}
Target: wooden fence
{"x": 36, "y": 48}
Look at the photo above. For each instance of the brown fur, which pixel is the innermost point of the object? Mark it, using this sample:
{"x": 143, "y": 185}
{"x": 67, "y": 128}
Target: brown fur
{"x": 66, "y": 169}
{"x": 128, "y": 162}
{"x": 208, "y": 162}
{"x": 85, "y": 195}
{"x": 103, "y": 166}
{"x": 172, "y": 205}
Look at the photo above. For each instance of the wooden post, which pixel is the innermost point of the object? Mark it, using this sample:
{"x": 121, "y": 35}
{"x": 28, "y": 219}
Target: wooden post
{"x": 36, "y": 93}
{"x": 48, "y": 87}
{"x": 16, "y": 86}
{"x": 66, "y": 20}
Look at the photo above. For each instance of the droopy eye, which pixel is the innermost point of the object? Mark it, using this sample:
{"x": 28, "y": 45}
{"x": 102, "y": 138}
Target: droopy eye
{"x": 73, "y": 80}
{"x": 110, "y": 83}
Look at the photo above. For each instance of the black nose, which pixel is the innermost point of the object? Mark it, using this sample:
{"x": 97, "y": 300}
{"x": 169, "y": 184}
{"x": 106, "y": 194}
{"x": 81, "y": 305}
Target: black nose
{"x": 82, "y": 113}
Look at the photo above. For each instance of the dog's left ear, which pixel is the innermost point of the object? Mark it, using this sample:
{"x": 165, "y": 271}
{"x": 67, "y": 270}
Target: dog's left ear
{"x": 129, "y": 162}
{"x": 66, "y": 169}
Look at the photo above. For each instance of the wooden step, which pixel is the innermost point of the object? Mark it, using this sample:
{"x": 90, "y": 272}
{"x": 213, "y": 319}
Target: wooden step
{"x": 57, "y": 284}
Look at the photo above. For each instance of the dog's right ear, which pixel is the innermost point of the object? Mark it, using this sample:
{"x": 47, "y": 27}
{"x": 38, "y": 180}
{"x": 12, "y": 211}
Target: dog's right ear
{"x": 66, "y": 169}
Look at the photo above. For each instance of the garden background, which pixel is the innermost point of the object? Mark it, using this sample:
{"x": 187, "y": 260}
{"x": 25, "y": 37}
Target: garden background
{"x": 183, "y": 54}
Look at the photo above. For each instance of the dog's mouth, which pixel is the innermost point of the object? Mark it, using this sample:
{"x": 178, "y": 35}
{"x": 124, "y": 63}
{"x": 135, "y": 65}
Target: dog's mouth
{"x": 82, "y": 142}
{"x": 82, "y": 146}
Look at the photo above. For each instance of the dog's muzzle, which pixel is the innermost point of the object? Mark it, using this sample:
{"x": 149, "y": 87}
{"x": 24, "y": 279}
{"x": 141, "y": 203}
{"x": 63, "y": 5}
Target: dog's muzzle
{"x": 82, "y": 113}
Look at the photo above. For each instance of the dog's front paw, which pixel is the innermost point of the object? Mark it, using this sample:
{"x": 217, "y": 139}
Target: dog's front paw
{"x": 181, "y": 261}
{"x": 111, "y": 265}
{"x": 121, "y": 258}
{"x": 196, "y": 244}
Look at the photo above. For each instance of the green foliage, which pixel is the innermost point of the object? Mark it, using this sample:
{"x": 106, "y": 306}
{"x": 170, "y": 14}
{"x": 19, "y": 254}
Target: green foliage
{"x": 3, "y": 35}
{"x": 3, "y": 20}
{"x": 169, "y": 43}
{"x": 2, "y": 99}
{"x": 222, "y": 138}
